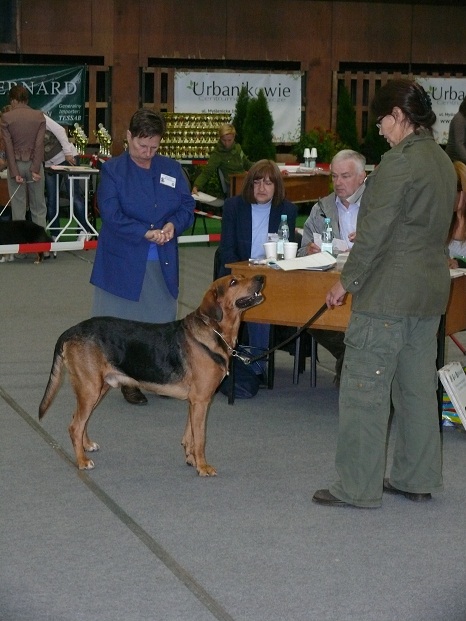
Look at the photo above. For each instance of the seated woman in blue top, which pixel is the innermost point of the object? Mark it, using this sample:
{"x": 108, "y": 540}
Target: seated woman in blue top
{"x": 247, "y": 222}
{"x": 145, "y": 204}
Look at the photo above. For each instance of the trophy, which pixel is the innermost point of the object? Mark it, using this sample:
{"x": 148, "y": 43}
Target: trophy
{"x": 80, "y": 138}
{"x": 105, "y": 141}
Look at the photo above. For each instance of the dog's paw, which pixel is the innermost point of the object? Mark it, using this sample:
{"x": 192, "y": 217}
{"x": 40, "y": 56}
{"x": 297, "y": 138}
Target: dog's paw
{"x": 87, "y": 464}
{"x": 91, "y": 447}
{"x": 190, "y": 460}
{"x": 207, "y": 471}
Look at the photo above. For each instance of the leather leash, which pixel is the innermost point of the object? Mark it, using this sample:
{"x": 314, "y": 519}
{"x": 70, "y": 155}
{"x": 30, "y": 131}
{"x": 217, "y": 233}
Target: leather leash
{"x": 248, "y": 360}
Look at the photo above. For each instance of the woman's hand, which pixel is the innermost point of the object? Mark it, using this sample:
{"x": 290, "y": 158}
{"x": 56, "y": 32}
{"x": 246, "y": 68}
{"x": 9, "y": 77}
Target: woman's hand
{"x": 452, "y": 264}
{"x": 161, "y": 236}
{"x": 336, "y": 295}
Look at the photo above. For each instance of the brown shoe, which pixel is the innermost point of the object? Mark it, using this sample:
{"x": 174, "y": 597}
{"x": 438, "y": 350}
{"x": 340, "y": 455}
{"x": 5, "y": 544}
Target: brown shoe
{"x": 324, "y": 497}
{"x": 389, "y": 489}
{"x": 133, "y": 395}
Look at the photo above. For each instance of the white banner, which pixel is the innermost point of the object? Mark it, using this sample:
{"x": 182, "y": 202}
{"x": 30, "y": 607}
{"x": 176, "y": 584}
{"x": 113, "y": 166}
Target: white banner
{"x": 197, "y": 92}
{"x": 447, "y": 95}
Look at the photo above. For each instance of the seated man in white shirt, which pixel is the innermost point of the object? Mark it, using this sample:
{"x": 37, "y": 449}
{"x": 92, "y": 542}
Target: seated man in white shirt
{"x": 341, "y": 206}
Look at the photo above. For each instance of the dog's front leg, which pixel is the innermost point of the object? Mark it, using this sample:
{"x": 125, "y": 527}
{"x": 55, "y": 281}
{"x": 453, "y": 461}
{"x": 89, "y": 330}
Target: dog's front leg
{"x": 187, "y": 443}
{"x": 198, "y": 421}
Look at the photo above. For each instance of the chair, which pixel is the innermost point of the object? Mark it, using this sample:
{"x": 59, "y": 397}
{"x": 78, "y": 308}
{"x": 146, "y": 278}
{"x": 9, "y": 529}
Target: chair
{"x": 223, "y": 183}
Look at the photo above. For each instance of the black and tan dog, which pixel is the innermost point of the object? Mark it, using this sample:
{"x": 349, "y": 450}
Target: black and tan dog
{"x": 185, "y": 359}
{"x": 23, "y": 232}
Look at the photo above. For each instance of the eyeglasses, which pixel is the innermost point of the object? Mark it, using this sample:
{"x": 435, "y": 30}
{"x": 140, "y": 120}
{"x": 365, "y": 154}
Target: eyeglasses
{"x": 380, "y": 119}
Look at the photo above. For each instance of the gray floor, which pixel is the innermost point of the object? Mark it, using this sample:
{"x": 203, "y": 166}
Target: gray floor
{"x": 142, "y": 538}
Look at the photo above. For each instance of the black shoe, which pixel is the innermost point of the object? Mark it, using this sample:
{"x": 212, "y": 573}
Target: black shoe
{"x": 324, "y": 497}
{"x": 133, "y": 395}
{"x": 389, "y": 489}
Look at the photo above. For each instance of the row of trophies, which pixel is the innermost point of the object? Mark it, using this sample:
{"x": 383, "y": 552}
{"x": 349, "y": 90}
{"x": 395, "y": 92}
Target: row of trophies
{"x": 187, "y": 136}
{"x": 191, "y": 136}
{"x": 81, "y": 140}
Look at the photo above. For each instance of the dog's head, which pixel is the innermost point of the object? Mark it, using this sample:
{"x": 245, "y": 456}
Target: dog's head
{"x": 232, "y": 295}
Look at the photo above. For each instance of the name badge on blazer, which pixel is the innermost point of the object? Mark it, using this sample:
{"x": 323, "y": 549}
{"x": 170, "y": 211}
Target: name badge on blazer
{"x": 167, "y": 180}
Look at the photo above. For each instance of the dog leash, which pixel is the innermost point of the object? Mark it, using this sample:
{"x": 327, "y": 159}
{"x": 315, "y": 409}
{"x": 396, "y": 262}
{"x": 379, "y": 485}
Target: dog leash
{"x": 248, "y": 360}
{"x": 12, "y": 196}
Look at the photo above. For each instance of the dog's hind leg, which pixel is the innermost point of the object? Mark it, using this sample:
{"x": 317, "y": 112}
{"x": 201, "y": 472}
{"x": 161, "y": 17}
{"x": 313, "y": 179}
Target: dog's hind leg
{"x": 88, "y": 444}
{"x": 87, "y": 398}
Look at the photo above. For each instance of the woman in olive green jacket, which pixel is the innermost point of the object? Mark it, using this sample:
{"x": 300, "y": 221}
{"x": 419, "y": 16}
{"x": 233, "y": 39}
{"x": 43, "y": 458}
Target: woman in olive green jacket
{"x": 227, "y": 156}
{"x": 397, "y": 273}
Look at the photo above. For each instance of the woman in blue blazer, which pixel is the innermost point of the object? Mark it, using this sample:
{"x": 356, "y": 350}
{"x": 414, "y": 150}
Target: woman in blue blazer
{"x": 145, "y": 204}
{"x": 247, "y": 222}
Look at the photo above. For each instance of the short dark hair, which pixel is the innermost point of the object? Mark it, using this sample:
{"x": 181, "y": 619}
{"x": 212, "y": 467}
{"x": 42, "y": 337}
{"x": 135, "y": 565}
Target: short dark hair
{"x": 462, "y": 107}
{"x": 146, "y": 123}
{"x": 259, "y": 170}
{"x": 410, "y": 97}
{"x": 18, "y": 93}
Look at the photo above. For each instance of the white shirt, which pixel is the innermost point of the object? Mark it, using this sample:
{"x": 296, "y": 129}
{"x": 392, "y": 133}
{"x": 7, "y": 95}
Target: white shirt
{"x": 347, "y": 218}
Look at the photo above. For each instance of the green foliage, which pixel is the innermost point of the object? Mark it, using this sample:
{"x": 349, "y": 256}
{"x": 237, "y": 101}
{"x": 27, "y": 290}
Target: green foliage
{"x": 346, "y": 119}
{"x": 326, "y": 142}
{"x": 241, "y": 109}
{"x": 374, "y": 145}
{"x": 258, "y": 130}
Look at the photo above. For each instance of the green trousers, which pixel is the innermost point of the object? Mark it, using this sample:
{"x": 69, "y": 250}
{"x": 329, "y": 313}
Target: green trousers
{"x": 389, "y": 362}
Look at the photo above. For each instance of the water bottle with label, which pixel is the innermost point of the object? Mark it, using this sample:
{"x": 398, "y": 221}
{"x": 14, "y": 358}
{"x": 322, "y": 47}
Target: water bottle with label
{"x": 327, "y": 237}
{"x": 283, "y": 236}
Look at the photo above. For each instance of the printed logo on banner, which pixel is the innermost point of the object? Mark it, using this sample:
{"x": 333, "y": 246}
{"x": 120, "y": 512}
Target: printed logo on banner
{"x": 446, "y": 95}
{"x": 59, "y": 91}
{"x": 199, "y": 92}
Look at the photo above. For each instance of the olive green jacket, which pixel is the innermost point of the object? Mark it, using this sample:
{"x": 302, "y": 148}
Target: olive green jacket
{"x": 230, "y": 161}
{"x": 398, "y": 264}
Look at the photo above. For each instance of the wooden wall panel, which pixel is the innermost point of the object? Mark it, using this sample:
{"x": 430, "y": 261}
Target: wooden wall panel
{"x": 66, "y": 27}
{"x": 440, "y": 34}
{"x": 289, "y": 31}
{"x": 371, "y": 32}
{"x": 182, "y": 29}
{"x": 125, "y": 78}
{"x": 269, "y": 29}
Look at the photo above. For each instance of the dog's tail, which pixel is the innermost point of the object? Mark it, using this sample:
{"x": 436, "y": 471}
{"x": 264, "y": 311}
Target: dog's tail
{"x": 55, "y": 379}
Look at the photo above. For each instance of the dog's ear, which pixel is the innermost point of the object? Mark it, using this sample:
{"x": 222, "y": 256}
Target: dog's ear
{"x": 210, "y": 306}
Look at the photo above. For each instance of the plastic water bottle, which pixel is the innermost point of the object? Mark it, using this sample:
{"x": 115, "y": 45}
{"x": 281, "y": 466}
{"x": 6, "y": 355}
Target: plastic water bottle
{"x": 283, "y": 236}
{"x": 327, "y": 237}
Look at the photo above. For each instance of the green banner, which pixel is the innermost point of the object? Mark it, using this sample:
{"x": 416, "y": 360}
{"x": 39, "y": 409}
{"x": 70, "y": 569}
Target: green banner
{"x": 59, "y": 91}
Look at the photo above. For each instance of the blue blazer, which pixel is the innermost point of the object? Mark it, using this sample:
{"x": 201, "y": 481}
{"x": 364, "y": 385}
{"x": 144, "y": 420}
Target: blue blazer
{"x": 131, "y": 201}
{"x": 236, "y": 238}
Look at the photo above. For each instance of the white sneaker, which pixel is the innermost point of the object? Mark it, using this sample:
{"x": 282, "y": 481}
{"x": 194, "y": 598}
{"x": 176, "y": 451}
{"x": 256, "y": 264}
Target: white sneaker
{"x": 83, "y": 236}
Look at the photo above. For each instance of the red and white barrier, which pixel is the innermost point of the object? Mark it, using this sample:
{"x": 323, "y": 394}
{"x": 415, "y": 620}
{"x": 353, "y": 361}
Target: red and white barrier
{"x": 90, "y": 245}
{"x": 207, "y": 214}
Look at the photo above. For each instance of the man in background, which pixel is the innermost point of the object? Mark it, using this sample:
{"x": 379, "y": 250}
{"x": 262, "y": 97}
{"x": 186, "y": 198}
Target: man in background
{"x": 342, "y": 207}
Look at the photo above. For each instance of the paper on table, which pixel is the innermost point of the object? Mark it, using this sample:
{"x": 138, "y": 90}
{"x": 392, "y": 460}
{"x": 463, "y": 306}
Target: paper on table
{"x": 457, "y": 272}
{"x": 83, "y": 169}
{"x": 319, "y": 261}
{"x": 208, "y": 199}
